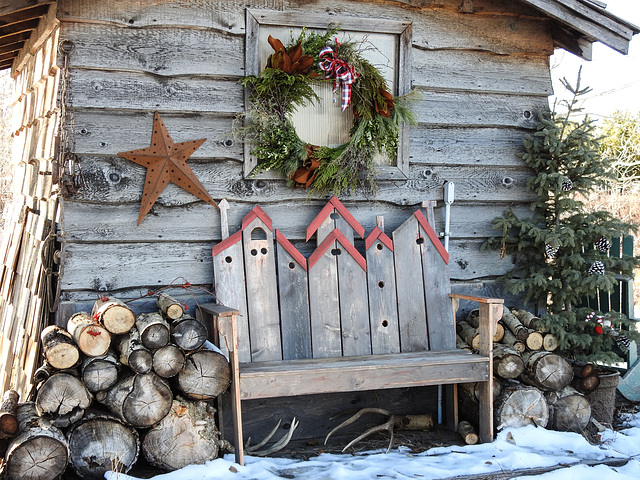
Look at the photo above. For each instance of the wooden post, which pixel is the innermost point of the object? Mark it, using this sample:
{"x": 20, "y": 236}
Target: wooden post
{"x": 485, "y": 347}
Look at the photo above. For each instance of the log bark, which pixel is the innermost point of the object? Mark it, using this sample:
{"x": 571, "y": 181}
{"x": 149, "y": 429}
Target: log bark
{"x": 8, "y": 414}
{"x": 461, "y": 344}
{"x": 569, "y": 410}
{"x": 100, "y": 373}
{"x": 62, "y": 399}
{"x": 468, "y": 334}
{"x": 101, "y": 442}
{"x": 59, "y": 348}
{"x": 141, "y": 400}
{"x": 520, "y": 405}
{"x": 507, "y": 362}
{"x": 188, "y": 333}
{"x": 546, "y": 370}
{"x": 114, "y": 314}
{"x": 168, "y": 361}
{"x": 467, "y": 433}
{"x": 39, "y": 451}
{"x": 528, "y": 319}
{"x": 534, "y": 341}
{"x": 186, "y": 436}
{"x": 511, "y": 340}
{"x": 472, "y": 390}
{"x": 169, "y": 306}
{"x": 91, "y": 338}
{"x": 512, "y": 323}
{"x": 205, "y": 376}
{"x": 133, "y": 354}
{"x": 154, "y": 330}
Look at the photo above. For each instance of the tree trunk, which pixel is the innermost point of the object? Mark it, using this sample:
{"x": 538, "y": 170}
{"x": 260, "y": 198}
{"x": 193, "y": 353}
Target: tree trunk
{"x": 39, "y": 452}
{"x": 133, "y": 354}
{"x": 154, "y": 330}
{"x": 140, "y": 400}
{"x": 168, "y": 361}
{"x": 114, "y": 314}
{"x": 468, "y": 334}
{"x": 169, "y": 306}
{"x": 188, "y": 333}
{"x": 8, "y": 414}
{"x": 528, "y": 319}
{"x": 512, "y": 323}
{"x": 546, "y": 370}
{"x": 519, "y": 406}
{"x": 569, "y": 410}
{"x": 466, "y": 431}
{"x": 186, "y": 436}
{"x": 58, "y": 348}
{"x": 587, "y": 384}
{"x": 511, "y": 340}
{"x": 62, "y": 398}
{"x": 91, "y": 338}
{"x": 100, "y": 373}
{"x": 550, "y": 342}
{"x": 534, "y": 340}
{"x": 99, "y": 443}
{"x": 205, "y": 376}
{"x": 507, "y": 362}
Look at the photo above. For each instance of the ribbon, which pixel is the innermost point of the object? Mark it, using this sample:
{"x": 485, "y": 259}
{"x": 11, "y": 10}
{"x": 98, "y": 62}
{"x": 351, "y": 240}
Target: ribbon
{"x": 342, "y": 73}
{"x": 306, "y": 174}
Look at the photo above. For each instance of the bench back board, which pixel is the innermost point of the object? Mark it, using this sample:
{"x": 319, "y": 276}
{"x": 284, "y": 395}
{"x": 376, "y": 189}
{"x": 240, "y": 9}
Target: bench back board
{"x": 391, "y": 297}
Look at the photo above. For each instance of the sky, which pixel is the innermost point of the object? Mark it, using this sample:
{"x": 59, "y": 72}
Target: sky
{"x": 614, "y": 77}
{"x": 515, "y": 448}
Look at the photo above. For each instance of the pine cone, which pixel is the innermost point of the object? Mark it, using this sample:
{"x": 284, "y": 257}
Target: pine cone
{"x": 567, "y": 185}
{"x": 602, "y": 244}
{"x": 550, "y": 250}
{"x": 597, "y": 268}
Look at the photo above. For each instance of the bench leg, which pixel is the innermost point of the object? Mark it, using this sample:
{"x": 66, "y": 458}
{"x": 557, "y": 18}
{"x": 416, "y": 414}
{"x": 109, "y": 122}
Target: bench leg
{"x": 236, "y": 408}
{"x": 487, "y": 317}
{"x": 452, "y": 406}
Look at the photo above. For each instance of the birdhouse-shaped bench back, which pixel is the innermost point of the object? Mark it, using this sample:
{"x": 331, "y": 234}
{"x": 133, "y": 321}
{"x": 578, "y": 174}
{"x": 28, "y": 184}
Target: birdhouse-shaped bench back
{"x": 392, "y": 298}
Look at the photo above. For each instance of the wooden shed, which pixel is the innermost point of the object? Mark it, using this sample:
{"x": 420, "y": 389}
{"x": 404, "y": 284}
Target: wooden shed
{"x": 89, "y": 77}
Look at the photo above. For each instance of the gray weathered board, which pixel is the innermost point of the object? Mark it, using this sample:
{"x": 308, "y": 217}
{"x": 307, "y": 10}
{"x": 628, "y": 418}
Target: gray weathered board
{"x": 393, "y": 299}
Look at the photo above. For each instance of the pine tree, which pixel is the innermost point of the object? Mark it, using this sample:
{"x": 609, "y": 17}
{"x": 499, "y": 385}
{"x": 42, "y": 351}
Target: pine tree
{"x": 561, "y": 251}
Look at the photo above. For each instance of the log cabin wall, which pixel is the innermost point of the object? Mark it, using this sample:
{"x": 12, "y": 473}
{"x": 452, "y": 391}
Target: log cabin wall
{"x": 28, "y": 281}
{"x": 481, "y": 66}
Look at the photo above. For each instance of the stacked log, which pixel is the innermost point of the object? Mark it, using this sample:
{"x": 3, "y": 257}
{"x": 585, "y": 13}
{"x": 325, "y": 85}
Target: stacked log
{"x": 109, "y": 379}
{"x": 532, "y": 384}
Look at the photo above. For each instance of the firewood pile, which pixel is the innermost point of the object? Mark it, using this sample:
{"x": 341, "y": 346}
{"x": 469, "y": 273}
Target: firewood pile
{"x": 532, "y": 384}
{"x": 113, "y": 385}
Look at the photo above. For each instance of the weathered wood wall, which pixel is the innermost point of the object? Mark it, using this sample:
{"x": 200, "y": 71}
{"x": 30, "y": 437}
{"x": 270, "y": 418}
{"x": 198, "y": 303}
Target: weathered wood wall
{"x": 481, "y": 66}
{"x": 25, "y": 282}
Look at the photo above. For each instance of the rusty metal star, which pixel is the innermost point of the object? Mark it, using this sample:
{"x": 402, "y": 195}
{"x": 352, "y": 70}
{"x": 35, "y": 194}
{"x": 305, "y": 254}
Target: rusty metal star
{"x": 166, "y": 162}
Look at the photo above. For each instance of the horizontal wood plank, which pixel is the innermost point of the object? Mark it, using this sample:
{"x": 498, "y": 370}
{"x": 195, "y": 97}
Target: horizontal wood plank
{"x": 371, "y": 372}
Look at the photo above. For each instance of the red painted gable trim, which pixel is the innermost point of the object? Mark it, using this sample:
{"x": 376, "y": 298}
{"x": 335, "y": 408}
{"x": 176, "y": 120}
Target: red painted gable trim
{"x": 326, "y": 211}
{"x": 257, "y": 212}
{"x": 377, "y": 234}
{"x": 226, "y": 243}
{"x": 338, "y": 236}
{"x": 432, "y": 236}
{"x": 291, "y": 250}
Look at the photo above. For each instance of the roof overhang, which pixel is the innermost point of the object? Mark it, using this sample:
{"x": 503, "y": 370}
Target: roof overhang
{"x": 577, "y": 24}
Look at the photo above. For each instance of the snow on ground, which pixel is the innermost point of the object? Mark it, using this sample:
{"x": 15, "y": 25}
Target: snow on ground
{"x": 514, "y": 449}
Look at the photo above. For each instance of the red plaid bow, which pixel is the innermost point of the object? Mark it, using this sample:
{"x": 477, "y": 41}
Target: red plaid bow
{"x": 336, "y": 68}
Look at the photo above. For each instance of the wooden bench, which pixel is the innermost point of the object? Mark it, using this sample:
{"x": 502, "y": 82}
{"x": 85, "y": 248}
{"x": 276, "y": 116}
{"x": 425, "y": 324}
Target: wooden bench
{"x": 341, "y": 320}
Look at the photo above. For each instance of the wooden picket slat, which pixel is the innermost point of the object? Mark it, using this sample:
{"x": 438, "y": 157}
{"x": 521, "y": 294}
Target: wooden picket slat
{"x": 262, "y": 293}
{"x": 410, "y": 286}
{"x": 293, "y": 285}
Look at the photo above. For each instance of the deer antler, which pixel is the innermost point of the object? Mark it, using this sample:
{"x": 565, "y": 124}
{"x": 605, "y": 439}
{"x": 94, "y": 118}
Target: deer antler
{"x": 388, "y": 426}
{"x": 279, "y": 445}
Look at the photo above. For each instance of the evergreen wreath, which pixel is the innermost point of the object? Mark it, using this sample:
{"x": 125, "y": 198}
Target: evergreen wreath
{"x": 287, "y": 82}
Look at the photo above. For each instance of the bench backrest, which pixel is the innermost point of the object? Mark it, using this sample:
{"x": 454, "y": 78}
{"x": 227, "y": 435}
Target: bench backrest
{"x": 393, "y": 297}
